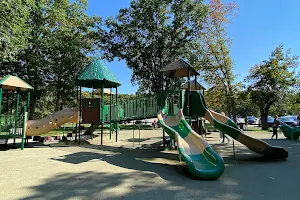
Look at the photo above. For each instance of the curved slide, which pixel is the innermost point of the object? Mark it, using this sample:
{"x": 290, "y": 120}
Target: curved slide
{"x": 289, "y": 132}
{"x": 202, "y": 161}
{"x": 227, "y": 126}
{"x": 52, "y": 121}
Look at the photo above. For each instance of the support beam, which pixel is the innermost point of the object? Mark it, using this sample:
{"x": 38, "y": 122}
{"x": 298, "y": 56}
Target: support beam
{"x": 189, "y": 96}
{"x": 80, "y": 113}
{"x": 102, "y": 111}
{"x": 162, "y": 102}
{"x": 17, "y": 111}
{"x": 28, "y": 98}
{"x": 110, "y": 113}
{"x": 117, "y": 121}
{"x": 76, "y": 129}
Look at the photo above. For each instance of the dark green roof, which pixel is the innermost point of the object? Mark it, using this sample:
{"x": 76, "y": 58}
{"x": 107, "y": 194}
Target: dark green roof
{"x": 96, "y": 74}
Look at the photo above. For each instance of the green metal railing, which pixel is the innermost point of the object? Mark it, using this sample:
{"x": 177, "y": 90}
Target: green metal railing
{"x": 11, "y": 125}
{"x": 142, "y": 107}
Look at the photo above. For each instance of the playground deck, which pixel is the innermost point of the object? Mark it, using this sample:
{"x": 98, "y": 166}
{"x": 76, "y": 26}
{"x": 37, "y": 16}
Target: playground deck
{"x": 118, "y": 171}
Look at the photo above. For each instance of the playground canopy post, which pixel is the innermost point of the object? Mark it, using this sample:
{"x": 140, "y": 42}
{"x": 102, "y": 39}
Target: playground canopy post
{"x": 178, "y": 69}
{"x": 96, "y": 75}
{"x": 14, "y": 126}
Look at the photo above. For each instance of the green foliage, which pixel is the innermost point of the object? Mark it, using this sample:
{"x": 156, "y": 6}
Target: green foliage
{"x": 152, "y": 33}
{"x": 211, "y": 53}
{"x": 244, "y": 104}
{"x": 13, "y": 28}
{"x": 287, "y": 104}
{"x": 97, "y": 94}
{"x": 61, "y": 40}
{"x": 271, "y": 79}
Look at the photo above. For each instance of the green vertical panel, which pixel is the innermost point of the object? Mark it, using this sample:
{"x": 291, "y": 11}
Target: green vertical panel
{"x": 144, "y": 105}
{"x": 127, "y": 109}
{"x": 151, "y": 105}
{"x": 132, "y": 113}
{"x": 138, "y": 107}
{"x": 130, "y": 109}
{"x": 135, "y": 108}
{"x": 28, "y": 99}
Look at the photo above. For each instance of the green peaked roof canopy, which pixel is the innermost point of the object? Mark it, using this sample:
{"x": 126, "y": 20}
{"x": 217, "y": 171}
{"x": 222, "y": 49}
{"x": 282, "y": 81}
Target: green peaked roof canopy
{"x": 96, "y": 74}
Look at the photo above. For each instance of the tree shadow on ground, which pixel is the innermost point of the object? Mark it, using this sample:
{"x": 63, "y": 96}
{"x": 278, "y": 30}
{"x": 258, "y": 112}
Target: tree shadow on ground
{"x": 167, "y": 180}
{"x": 95, "y": 185}
{"x": 145, "y": 158}
{"x": 17, "y": 145}
{"x": 6, "y": 147}
{"x": 136, "y": 139}
{"x": 164, "y": 163}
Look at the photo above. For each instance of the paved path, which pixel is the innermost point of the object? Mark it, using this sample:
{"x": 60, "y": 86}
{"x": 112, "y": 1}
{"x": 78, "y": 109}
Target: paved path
{"x": 118, "y": 171}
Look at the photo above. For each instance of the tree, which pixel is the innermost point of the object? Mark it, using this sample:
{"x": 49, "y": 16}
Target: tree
{"x": 13, "y": 29}
{"x": 62, "y": 38}
{"x": 288, "y": 103}
{"x": 30, "y": 62}
{"x": 150, "y": 34}
{"x": 270, "y": 79}
{"x": 216, "y": 63}
{"x": 69, "y": 43}
{"x": 215, "y": 99}
{"x": 244, "y": 105}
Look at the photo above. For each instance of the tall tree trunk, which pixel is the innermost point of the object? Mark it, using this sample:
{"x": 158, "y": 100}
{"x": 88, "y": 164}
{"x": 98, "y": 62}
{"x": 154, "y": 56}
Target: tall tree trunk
{"x": 264, "y": 118}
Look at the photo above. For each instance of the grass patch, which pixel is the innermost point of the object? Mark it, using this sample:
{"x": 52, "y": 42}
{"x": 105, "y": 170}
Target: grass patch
{"x": 256, "y": 129}
{"x": 135, "y": 126}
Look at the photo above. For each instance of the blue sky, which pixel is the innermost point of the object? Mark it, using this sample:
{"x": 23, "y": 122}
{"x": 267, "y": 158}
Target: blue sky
{"x": 260, "y": 26}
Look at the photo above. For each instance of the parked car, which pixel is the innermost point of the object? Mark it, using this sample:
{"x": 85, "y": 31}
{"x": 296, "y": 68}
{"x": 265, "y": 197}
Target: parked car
{"x": 270, "y": 121}
{"x": 289, "y": 120}
{"x": 251, "y": 120}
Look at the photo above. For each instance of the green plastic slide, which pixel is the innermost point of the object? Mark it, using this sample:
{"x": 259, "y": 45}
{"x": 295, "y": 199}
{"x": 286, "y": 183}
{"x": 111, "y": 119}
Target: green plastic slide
{"x": 289, "y": 132}
{"x": 227, "y": 126}
{"x": 202, "y": 161}
{"x": 113, "y": 127}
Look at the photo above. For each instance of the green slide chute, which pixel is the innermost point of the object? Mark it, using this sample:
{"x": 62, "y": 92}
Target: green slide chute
{"x": 202, "y": 161}
{"x": 289, "y": 132}
{"x": 227, "y": 126}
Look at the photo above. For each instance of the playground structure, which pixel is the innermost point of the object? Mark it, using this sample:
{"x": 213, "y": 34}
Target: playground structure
{"x": 291, "y": 133}
{"x": 94, "y": 111}
{"x": 171, "y": 107}
{"x": 201, "y": 160}
{"x": 14, "y": 123}
{"x": 14, "y": 105}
